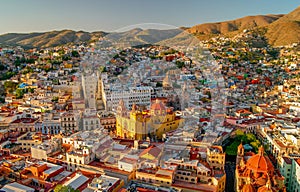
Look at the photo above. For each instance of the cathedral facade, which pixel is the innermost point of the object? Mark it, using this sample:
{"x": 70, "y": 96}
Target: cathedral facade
{"x": 140, "y": 124}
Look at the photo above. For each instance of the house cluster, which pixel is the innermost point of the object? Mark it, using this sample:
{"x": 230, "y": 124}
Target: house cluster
{"x": 149, "y": 118}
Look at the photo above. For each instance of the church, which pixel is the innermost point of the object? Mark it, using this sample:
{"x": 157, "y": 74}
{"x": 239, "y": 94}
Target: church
{"x": 256, "y": 173}
{"x": 140, "y": 124}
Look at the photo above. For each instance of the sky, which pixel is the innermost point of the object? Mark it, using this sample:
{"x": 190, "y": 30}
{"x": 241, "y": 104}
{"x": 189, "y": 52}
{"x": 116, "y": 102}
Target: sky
{"x": 23, "y": 16}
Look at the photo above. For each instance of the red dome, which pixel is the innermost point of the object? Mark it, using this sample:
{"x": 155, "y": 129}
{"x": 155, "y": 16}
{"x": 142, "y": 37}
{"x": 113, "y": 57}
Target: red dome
{"x": 158, "y": 105}
{"x": 248, "y": 188}
{"x": 260, "y": 163}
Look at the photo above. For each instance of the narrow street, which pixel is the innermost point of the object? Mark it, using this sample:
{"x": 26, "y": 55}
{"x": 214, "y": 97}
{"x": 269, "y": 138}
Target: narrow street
{"x": 230, "y": 176}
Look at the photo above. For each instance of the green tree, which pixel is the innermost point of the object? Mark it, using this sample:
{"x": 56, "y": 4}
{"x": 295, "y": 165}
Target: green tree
{"x": 31, "y": 61}
{"x": 10, "y": 86}
{"x": 258, "y": 70}
{"x": 250, "y": 137}
{"x": 75, "y": 53}
{"x": 54, "y": 99}
{"x": 102, "y": 69}
{"x": 232, "y": 148}
{"x": 2, "y": 67}
{"x": 61, "y": 188}
{"x": 239, "y": 132}
{"x": 20, "y": 93}
{"x": 66, "y": 58}
{"x": 31, "y": 90}
{"x": 159, "y": 84}
{"x": 179, "y": 64}
{"x": 255, "y": 144}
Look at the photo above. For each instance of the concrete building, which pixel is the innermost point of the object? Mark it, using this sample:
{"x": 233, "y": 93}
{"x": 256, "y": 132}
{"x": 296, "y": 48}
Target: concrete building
{"x": 12, "y": 187}
{"x": 107, "y": 120}
{"x": 82, "y": 147}
{"x": 112, "y": 94}
{"x": 128, "y": 163}
{"x": 285, "y": 167}
{"x": 104, "y": 183}
{"x": 90, "y": 87}
{"x": 294, "y": 184}
{"x": 90, "y": 120}
{"x": 46, "y": 148}
{"x": 70, "y": 121}
{"x": 77, "y": 181}
{"x": 23, "y": 124}
{"x": 28, "y": 140}
{"x": 48, "y": 125}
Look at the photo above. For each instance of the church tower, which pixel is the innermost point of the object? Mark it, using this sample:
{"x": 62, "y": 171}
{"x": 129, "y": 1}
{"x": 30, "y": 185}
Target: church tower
{"x": 121, "y": 109}
{"x": 240, "y": 154}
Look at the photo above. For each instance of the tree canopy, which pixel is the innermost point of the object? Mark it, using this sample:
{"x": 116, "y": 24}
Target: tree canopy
{"x": 62, "y": 188}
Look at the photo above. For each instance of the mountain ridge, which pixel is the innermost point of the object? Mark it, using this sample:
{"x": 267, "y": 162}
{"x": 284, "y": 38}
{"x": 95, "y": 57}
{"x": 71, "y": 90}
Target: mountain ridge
{"x": 281, "y": 29}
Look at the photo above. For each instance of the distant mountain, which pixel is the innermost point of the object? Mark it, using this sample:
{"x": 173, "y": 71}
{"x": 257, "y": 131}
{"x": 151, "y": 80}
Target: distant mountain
{"x": 285, "y": 30}
{"x": 139, "y": 36}
{"x": 281, "y": 30}
{"x": 54, "y": 38}
{"x": 49, "y": 39}
{"x": 233, "y": 25}
{"x": 227, "y": 28}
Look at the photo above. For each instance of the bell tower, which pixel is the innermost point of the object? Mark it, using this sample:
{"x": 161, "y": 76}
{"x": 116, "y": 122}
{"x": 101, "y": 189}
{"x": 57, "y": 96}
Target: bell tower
{"x": 240, "y": 154}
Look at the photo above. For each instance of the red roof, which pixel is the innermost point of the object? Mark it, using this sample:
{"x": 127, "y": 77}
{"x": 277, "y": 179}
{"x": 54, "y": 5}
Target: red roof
{"x": 154, "y": 151}
{"x": 158, "y": 105}
{"x": 24, "y": 120}
{"x": 287, "y": 160}
{"x": 259, "y": 162}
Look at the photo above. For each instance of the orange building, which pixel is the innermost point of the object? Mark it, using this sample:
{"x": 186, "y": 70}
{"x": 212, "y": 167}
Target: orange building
{"x": 257, "y": 174}
{"x": 40, "y": 175}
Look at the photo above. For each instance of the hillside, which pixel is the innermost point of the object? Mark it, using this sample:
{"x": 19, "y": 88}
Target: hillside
{"x": 233, "y": 25}
{"x": 281, "y": 30}
{"x": 54, "y": 38}
{"x": 285, "y": 30}
{"x": 139, "y": 36}
{"x": 49, "y": 39}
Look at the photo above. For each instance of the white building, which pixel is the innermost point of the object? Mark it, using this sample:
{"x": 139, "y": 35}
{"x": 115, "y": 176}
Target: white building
{"x": 46, "y": 148}
{"x": 70, "y": 121}
{"x": 49, "y": 126}
{"x": 130, "y": 96}
{"x": 90, "y": 120}
{"x": 128, "y": 163}
{"x": 84, "y": 145}
{"x": 104, "y": 183}
{"x": 77, "y": 181}
{"x": 294, "y": 184}
{"x": 12, "y": 187}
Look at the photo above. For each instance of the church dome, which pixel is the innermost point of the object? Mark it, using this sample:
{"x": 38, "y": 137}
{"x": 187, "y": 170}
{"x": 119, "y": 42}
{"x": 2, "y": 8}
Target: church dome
{"x": 261, "y": 181}
{"x": 260, "y": 163}
{"x": 265, "y": 189}
{"x": 248, "y": 188}
{"x": 158, "y": 105}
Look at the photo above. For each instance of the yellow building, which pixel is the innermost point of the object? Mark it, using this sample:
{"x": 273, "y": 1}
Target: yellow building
{"x": 136, "y": 124}
{"x": 162, "y": 177}
{"x": 216, "y": 157}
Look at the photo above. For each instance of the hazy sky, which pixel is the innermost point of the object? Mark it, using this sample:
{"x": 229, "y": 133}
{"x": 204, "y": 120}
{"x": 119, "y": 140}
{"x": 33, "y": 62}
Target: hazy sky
{"x": 110, "y": 15}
